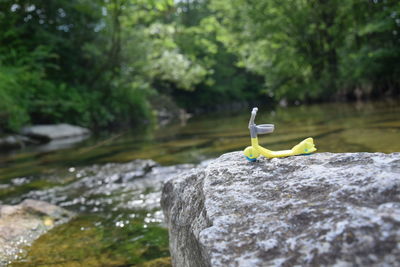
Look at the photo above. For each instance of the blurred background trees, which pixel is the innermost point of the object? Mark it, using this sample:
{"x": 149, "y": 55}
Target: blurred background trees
{"x": 101, "y": 63}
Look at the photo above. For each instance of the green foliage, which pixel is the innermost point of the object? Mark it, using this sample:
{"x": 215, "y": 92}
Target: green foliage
{"x": 12, "y": 115}
{"x": 371, "y": 53}
{"x": 167, "y": 63}
{"x": 96, "y": 63}
{"x": 60, "y": 61}
{"x": 313, "y": 49}
{"x": 221, "y": 80}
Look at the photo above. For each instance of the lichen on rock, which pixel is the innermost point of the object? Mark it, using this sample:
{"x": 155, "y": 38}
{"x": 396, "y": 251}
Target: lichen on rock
{"x": 319, "y": 210}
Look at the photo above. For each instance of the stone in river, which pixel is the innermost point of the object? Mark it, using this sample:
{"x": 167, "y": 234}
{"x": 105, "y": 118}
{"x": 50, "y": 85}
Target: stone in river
{"x": 54, "y": 131}
{"x": 21, "y": 224}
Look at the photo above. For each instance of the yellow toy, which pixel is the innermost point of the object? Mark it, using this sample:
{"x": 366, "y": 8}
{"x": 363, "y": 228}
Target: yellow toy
{"x": 252, "y": 152}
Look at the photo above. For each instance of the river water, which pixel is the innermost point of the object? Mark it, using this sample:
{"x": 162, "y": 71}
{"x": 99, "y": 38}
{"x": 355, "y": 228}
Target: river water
{"x": 109, "y": 181}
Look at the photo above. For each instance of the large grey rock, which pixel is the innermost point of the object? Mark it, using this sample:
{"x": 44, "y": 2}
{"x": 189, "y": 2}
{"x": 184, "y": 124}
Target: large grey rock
{"x": 54, "y": 131}
{"x": 21, "y": 224}
{"x": 320, "y": 210}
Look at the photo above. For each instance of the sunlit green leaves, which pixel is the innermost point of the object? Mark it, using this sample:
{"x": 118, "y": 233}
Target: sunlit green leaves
{"x": 174, "y": 67}
{"x": 310, "y": 49}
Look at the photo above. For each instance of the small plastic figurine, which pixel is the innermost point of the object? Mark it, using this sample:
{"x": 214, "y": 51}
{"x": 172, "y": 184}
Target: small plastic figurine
{"x": 252, "y": 152}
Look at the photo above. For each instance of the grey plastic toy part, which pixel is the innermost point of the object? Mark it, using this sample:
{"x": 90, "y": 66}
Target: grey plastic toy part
{"x": 258, "y": 129}
{"x": 265, "y": 128}
{"x": 253, "y": 116}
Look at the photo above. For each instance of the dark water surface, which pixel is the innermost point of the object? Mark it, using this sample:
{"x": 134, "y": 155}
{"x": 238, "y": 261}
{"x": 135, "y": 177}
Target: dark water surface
{"x": 119, "y": 222}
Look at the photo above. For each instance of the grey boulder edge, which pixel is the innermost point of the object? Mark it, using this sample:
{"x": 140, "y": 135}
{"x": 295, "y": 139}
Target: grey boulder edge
{"x": 325, "y": 209}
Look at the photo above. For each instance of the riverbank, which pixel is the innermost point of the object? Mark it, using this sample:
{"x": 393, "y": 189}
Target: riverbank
{"x": 38, "y": 174}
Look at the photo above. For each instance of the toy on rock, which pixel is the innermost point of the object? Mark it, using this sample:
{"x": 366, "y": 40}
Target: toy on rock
{"x": 252, "y": 152}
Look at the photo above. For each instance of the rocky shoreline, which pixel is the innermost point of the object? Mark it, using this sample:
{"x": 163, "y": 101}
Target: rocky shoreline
{"x": 126, "y": 192}
{"x": 325, "y": 209}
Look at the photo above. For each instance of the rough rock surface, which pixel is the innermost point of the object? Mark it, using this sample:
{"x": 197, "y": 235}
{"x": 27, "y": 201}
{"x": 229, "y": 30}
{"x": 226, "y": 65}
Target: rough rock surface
{"x": 320, "y": 210}
{"x": 54, "y": 131}
{"x": 21, "y": 224}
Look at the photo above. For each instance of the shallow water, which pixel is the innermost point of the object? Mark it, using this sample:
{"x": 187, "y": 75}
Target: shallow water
{"x": 119, "y": 221}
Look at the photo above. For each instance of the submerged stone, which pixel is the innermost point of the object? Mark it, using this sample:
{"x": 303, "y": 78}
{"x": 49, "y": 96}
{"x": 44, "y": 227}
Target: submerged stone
{"x": 21, "y": 224}
{"x": 118, "y": 222}
{"x": 325, "y": 209}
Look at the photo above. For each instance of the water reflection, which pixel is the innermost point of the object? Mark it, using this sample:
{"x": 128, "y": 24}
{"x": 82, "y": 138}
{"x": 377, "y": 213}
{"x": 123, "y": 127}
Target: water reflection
{"x": 337, "y": 127}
